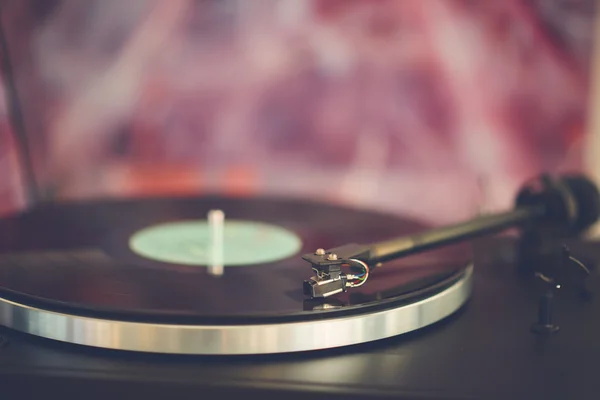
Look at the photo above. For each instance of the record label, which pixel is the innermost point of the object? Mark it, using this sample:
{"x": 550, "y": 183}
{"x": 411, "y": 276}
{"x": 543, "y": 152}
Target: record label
{"x": 198, "y": 243}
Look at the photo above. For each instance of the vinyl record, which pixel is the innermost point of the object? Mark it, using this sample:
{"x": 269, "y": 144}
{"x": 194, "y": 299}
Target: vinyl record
{"x": 151, "y": 260}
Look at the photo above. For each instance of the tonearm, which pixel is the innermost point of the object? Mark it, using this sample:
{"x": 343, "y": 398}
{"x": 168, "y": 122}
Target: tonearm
{"x": 557, "y": 207}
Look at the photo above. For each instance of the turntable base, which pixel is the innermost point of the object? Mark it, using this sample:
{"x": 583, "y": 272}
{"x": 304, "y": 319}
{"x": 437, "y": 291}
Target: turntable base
{"x": 484, "y": 351}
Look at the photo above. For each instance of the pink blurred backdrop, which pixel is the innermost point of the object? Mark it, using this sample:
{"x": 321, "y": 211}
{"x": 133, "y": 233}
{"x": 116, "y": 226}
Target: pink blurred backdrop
{"x": 434, "y": 108}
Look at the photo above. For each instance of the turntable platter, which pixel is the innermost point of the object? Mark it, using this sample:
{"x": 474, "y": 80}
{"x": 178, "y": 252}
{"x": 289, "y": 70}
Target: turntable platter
{"x": 148, "y": 262}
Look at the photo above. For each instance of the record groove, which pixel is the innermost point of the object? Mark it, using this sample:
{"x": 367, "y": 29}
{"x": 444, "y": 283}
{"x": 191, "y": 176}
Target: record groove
{"x": 76, "y": 258}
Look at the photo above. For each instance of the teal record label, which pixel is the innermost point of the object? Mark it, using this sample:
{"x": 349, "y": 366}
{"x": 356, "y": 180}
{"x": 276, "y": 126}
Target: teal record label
{"x": 197, "y": 243}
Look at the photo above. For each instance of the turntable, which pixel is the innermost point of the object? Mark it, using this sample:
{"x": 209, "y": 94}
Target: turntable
{"x": 180, "y": 276}
{"x": 280, "y": 297}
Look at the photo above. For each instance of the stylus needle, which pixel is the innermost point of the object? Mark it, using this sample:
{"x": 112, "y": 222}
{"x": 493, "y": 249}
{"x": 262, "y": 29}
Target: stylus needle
{"x": 216, "y": 222}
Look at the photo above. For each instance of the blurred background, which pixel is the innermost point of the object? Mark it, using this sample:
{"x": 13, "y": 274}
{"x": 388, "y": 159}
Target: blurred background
{"x": 436, "y": 109}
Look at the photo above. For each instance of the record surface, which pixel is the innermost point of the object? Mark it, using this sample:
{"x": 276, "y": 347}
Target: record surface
{"x": 147, "y": 260}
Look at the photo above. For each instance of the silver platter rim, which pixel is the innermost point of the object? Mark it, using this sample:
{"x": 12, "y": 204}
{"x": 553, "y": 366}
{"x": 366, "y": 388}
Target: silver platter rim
{"x": 236, "y": 339}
